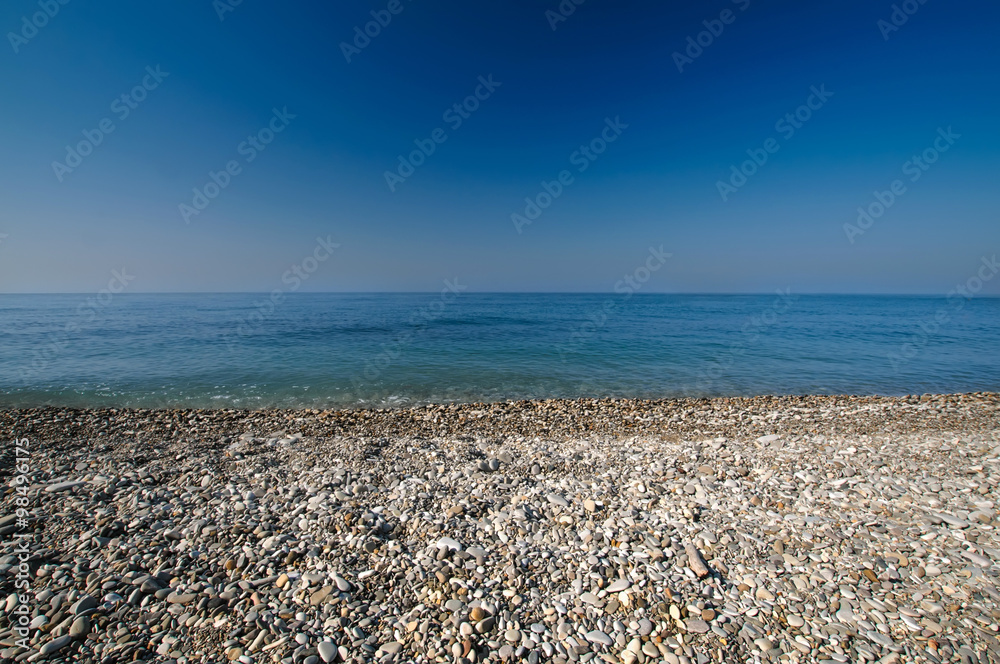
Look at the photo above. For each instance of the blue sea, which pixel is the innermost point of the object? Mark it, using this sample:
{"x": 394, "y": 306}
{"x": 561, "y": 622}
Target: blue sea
{"x": 349, "y": 350}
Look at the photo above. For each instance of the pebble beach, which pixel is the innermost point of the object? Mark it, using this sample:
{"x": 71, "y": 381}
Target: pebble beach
{"x": 764, "y": 529}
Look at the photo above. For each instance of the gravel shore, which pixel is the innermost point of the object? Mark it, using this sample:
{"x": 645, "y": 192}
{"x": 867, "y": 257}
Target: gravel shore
{"x": 792, "y": 529}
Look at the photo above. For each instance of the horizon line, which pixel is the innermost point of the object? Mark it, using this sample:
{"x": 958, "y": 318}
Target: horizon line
{"x": 432, "y": 292}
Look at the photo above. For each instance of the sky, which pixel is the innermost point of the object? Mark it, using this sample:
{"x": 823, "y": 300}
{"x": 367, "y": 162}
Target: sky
{"x": 212, "y": 146}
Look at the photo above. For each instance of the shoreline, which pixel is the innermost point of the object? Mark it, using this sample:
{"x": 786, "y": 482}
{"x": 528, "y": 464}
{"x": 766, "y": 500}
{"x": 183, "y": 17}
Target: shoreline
{"x": 791, "y": 529}
{"x": 569, "y": 417}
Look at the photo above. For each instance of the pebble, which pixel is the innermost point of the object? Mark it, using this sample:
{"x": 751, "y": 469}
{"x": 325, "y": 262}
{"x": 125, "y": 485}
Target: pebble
{"x": 806, "y": 528}
{"x": 697, "y": 626}
{"x": 84, "y": 604}
{"x": 80, "y": 627}
{"x": 597, "y": 636}
{"x": 55, "y": 645}
{"x": 63, "y": 486}
{"x": 974, "y": 557}
{"x": 619, "y": 585}
{"x": 327, "y": 651}
{"x": 392, "y": 647}
{"x": 645, "y": 627}
{"x": 556, "y": 499}
{"x": 449, "y": 543}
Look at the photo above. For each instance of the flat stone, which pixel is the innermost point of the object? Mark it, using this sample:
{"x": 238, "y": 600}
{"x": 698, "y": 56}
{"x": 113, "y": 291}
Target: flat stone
{"x": 327, "y": 651}
{"x": 320, "y": 595}
{"x": 85, "y": 603}
{"x": 55, "y": 645}
{"x": 597, "y": 636}
{"x": 619, "y": 585}
{"x": 80, "y": 627}
{"x": 977, "y": 559}
{"x": 696, "y": 626}
{"x": 63, "y": 486}
{"x": 391, "y": 648}
{"x": 764, "y": 594}
{"x": 448, "y": 543}
{"x": 845, "y": 615}
{"x": 556, "y": 499}
{"x": 184, "y": 598}
{"x": 952, "y": 521}
{"x": 879, "y": 638}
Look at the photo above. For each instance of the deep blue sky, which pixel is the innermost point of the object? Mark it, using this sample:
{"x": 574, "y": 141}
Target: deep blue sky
{"x": 655, "y": 185}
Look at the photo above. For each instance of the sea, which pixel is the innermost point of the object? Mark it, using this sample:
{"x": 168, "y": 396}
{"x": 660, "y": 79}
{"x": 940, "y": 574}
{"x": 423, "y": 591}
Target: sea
{"x": 324, "y": 350}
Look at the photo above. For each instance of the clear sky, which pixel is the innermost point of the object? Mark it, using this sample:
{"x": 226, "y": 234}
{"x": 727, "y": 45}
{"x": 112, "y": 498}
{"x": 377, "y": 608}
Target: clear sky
{"x": 205, "y": 84}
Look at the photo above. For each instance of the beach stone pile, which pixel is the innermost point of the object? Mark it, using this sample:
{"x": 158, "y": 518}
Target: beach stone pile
{"x": 791, "y": 529}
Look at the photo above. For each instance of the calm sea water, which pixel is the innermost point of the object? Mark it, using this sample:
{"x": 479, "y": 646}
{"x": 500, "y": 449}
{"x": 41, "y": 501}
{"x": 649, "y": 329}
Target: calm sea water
{"x": 313, "y": 350}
